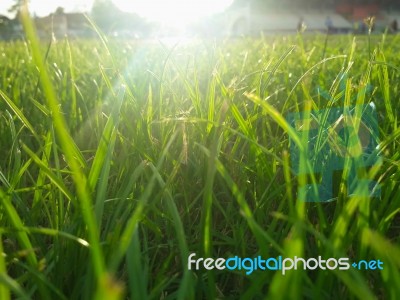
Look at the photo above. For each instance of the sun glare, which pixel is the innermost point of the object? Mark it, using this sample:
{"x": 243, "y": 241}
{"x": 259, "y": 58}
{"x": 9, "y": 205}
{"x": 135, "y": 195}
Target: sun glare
{"x": 176, "y": 13}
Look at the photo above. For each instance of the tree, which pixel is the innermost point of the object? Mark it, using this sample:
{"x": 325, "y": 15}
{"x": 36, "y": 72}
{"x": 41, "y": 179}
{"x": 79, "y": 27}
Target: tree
{"x": 60, "y": 11}
{"x": 105, "y": 14}
{"x": 109, "y": 18}
{"x": 15, "y": 8}
{"x": 4, "y": 27}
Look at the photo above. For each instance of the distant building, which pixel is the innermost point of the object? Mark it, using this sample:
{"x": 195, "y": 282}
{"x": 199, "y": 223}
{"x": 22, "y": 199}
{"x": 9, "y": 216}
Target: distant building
{"x": 56, "y": 24}
{"x": 255, "y": 16}
{"x": 246, "y": 20}
{"x": 78, "y": 25}
{"x": 63, "y": 24}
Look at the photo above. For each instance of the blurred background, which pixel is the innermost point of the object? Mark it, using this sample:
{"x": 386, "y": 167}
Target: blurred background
{"x": 156, "y": 18}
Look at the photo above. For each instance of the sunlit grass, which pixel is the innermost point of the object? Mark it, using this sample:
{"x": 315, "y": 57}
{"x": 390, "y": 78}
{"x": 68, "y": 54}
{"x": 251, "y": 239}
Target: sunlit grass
{"x": 119, "y": 158}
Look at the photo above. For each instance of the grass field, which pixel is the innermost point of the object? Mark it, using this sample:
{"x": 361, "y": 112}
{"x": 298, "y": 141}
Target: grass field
{"x": 118, "y": 159}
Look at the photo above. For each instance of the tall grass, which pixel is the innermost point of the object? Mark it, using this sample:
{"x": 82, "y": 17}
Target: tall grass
{"x": 130, "y": 155}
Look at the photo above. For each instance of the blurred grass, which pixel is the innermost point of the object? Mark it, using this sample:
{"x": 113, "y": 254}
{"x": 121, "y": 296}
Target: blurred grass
{"x": 134, "y": 154}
